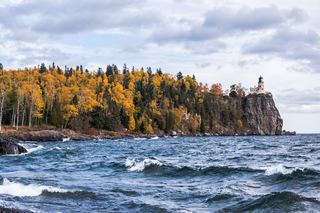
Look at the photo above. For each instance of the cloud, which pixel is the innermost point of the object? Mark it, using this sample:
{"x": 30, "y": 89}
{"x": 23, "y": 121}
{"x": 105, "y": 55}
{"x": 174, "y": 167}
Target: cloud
{"x": 297, "y": 45}
{"x": 22, "y": 54}
{"x": 250, "y": 19}
{"x": 225, "y": 21}
{"x": 68, "y": 16}
{"x": 300, "y": 101}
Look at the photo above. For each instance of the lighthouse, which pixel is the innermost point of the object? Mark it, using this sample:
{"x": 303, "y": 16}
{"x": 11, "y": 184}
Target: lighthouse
{"x": 260, "y": 86}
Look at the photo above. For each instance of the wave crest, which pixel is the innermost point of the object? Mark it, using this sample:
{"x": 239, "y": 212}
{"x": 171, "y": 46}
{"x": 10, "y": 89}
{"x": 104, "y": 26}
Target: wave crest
{"x": 155, "y": 167}
{"x": 22, "y": 190}
{"x": 282, "y": 171}
{"x": 277, "y": 169}
{"x": 133, "y": 165}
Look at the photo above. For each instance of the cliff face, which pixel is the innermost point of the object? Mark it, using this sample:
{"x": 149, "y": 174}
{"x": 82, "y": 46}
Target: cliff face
{"x": 261, "y": 116}
{"x": 250, "y": 115}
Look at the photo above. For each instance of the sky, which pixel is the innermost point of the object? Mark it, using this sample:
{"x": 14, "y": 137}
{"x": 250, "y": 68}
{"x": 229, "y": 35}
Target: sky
{"x": 220, "y": 41}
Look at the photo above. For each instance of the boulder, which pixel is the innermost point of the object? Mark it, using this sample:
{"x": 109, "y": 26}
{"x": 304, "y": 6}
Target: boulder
{"x": 284, "y": 132}
{"x": 10, "y": 210}
{"x": 9, "y": 146}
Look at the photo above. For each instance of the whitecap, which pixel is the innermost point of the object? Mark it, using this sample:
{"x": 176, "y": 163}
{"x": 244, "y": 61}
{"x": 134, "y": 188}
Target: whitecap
{"x": 30, "y": 148}
{"x": 130, "y": 162}
{"x": 57, "y": 148}
{"x": 65, "y": 139}
{"x": 277, "y": 169}
{"x": 134, "y": 165}
{"x": 154, "y": 138}
{"x": 140, "y": 139}
{"x": 22, "y": 190}
{"x": 34, "y": 149}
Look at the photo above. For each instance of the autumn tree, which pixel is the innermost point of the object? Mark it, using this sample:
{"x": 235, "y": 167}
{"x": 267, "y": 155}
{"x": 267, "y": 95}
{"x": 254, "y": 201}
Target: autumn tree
{"x": 216, "y": 89}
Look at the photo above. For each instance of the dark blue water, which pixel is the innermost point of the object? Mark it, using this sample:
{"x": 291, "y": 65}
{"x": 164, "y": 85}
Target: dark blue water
{"x": 226, "y": 174}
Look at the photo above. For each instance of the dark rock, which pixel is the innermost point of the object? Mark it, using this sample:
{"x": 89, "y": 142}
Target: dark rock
{"x": 8, "y": 146}
{"x": 10, "y": 210}
{"x": 261, "y": 115}
{"x": 284, "y": 132}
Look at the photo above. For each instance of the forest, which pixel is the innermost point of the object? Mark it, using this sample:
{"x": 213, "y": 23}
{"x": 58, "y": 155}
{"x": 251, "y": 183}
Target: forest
{"x": 128, "y": 100}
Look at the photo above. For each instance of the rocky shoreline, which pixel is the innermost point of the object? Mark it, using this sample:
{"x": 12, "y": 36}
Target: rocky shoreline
{"x": 66, "y": 134}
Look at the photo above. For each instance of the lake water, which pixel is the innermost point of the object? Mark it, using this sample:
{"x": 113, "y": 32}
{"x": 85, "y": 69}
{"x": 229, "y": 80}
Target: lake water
{"x": 226, "y": 174}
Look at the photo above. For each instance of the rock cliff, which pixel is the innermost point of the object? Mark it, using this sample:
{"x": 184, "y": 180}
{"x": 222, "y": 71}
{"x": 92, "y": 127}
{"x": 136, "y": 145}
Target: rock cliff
{"x": 254, "y": 114}
{"x": 261, "y": 115}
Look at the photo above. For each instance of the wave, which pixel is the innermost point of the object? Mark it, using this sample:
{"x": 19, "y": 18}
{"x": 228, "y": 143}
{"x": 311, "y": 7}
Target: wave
{"x": 140, "y": 139}
{"x": 219, "y": 197}
{"x": 144, "y": 207}
{"x": 278, "y": 169}
{"x": 57, "y": 148}
{"x": 282, "y": 172}
{"x": 34, "y": 149}
{"x": 285, "y": 201}
{"x": 128, "y": 193}
{"x": 133, "y": 165}
{"x": 154, "y": 166}
{"x": 66, "y": 139}
{"x": 22, "y": 190}
{"x": 70, "y": 194}
{"x": 154, "y": 138}
{"x": 30, "y": 149}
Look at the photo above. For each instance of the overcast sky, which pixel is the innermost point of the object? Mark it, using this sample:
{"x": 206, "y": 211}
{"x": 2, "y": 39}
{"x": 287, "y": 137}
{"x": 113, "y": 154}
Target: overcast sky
{"x": 226, "y": 41}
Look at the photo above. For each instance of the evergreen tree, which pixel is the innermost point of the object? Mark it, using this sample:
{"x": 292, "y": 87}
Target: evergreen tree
{"x": 43, "y": 68}
{"x": 179, "y": 76}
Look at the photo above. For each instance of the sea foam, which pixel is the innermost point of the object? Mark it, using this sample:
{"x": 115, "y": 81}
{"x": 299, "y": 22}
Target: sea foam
{"x": 280, "y": 169}
{"x": 134, "y": 165}
{"x": 66, "y": 139}
{"x": 34, "y": 149}
{"x": 22, "y": 190}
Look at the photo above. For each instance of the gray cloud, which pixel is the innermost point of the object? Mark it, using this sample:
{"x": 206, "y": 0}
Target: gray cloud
{"x": 226, "y": 22}
{"x": 302, "y": 46}
{"x": 251, "y": 19}
{"x": 67, "y": 16}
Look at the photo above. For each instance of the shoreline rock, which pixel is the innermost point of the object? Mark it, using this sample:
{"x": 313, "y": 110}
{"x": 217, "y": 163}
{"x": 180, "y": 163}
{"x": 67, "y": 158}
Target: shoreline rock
{"x": 9, "y": 146}
{"x": 10, "y": 210}
{"x": 288, "y": 133}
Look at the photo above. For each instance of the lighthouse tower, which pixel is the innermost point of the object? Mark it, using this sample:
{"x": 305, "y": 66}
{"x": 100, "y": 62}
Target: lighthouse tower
{"x": 261, "y": 86}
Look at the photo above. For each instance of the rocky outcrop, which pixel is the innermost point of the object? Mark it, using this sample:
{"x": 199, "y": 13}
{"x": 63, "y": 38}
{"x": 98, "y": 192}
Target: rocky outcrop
{"x": 39, "y": 136}
{"x": 261, "y": 115}
{"x": 10, "y": 210}
{"x": 9, "y": 146}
